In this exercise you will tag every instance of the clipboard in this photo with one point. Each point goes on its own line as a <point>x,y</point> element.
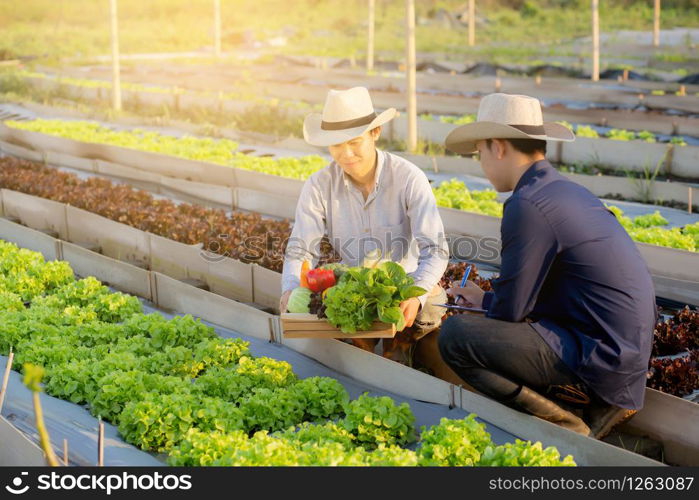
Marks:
<point>462,308</point>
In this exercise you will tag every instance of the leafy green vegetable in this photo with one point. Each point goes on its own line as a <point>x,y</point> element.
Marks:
<point>621,135</point>
<point>88,300</point>
<point>25,273</point>
<point>238,381</point>
<point>322,397</point>
<point>179,331</point>
<point>338,268</point>
<point>272,409</point>
<point>455,194</point>
<point>52,350</point>
<point>453,442</point>
<point>376,421</point>
<point>221,352</point>
<point>317,434</point>
<point>692,230</point>
<point>523,454</point>
<point>10,302</point>
<point>364,295</point>
<point>299,300</point>
<point>586,131</point>
<point>118,388</point>
<point>159,421</point>
<point>650,220</point>
<point>16,326</point>
<point>458,120</point>
<point>206,449</point>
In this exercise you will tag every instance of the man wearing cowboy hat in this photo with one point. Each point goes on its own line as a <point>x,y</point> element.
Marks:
<point>368,201</point>
<point>571,316</point>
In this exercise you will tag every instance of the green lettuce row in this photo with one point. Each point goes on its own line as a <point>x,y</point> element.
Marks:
<point>643,228</point>
<point>219,151</point>
<point>143,372</point>
<point>455,194</point>
<point>647,229</point>
<point>240,94</point>
<point>450,443</point>
<point>25,274</point>
<point>237,449</point>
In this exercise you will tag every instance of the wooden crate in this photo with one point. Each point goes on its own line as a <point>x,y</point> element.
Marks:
<point>300,325</point>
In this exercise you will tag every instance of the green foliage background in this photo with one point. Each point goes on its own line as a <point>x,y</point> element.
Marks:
<point>50,29</point>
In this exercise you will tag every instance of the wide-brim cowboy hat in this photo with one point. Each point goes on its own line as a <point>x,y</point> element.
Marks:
<point>347,114</point>
<point>505,116</point>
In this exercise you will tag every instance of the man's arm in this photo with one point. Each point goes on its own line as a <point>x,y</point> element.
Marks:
<point>529,247</point>
<point>428,230</point>
<point>304,242</point>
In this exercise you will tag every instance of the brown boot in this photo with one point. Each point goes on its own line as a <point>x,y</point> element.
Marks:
<point>532,402</point>
<point>603,418</point>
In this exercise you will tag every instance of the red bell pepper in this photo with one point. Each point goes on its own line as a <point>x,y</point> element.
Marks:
<point>320,279</point>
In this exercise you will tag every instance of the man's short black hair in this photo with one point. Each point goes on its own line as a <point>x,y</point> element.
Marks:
<point>524,146</point>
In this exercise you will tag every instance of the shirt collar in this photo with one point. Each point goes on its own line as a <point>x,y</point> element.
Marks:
<point>380,159</point>
<point>531,173</point>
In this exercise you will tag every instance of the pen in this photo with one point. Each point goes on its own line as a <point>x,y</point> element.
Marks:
<point>467,272</point>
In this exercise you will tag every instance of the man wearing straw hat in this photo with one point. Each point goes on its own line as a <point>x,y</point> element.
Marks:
<point>368,201</point>
<point>568,327</point>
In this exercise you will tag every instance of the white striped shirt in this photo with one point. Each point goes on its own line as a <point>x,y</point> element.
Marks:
<point>399,214</point>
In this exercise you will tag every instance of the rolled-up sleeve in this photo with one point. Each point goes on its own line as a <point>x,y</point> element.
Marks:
<point>428,230</point>
<point>306,235</point>
<point>529,247</point>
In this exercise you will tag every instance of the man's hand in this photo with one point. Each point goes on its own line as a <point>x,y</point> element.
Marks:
<point>470,296</point>
<point>410,308</point>
<point>284,301</point>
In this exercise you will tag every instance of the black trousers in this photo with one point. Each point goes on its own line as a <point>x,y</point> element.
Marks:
<point>498,357</point>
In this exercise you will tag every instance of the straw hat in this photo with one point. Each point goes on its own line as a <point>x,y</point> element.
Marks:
<point>347,114</point>
<point>505,116</point>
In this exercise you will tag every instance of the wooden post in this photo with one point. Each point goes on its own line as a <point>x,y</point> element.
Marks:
<point>471,23</point>
<point>6,376</point>
<point>100,444</point>
<point>595,40</point>
<point>116,82</point>
<point>217,28</point>
<point>435,166</point>
<point>410,75</point>
<point>689,207</point>
<point>656,23</point>
<point>65,452</point>
<point>370,41</point>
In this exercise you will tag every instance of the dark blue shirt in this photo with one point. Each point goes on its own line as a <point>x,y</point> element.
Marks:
<point>570,268</point>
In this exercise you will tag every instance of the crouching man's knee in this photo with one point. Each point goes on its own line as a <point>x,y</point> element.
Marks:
<point>450,336</point>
